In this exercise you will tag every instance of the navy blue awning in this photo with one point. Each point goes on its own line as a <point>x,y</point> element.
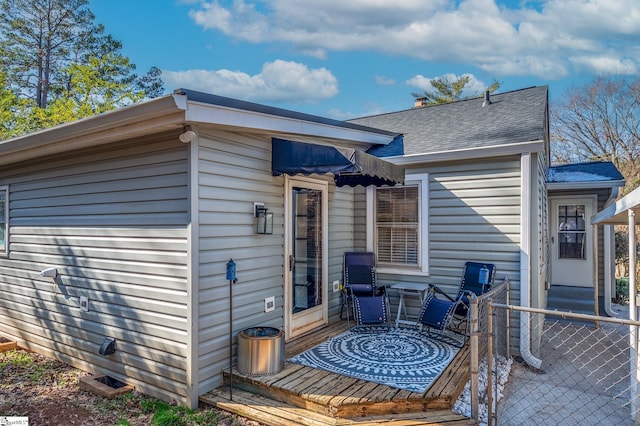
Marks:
<point>348,166</point>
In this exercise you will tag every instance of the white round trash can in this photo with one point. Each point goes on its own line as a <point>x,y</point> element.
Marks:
<point>260,350</point>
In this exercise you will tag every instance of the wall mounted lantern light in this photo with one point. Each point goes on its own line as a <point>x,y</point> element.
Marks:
<point>264,223</point>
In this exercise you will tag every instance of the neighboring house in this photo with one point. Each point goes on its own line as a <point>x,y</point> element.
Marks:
<point>141,209</point>
<point>582,256</point>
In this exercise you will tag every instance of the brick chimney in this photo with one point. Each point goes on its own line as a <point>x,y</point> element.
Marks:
<point>419,102</point>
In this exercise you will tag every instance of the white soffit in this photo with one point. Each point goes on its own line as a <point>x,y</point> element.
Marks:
<point>219,115</point>
<point>618,213</point>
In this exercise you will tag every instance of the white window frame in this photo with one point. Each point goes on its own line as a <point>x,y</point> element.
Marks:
<point>4,250</point>
<point>422,180</point>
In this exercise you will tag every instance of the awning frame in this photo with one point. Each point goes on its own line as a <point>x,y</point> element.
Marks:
<point>349,166</point>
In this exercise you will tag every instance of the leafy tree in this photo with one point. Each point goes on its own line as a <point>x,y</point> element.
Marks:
<point>600,121</point>
<point>99,86</point>
<point>13,112</point>
<point>59,66</point>
<point>38,37</point>
<point>446,90</point>
<point>151,83</point>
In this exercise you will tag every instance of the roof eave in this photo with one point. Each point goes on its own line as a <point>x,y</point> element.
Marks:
<point>148,117</point>
<point>618,213</point>
<point>247,119</point>
<point>585,185</point>
<point>171,112</point>
<point>471,153</point>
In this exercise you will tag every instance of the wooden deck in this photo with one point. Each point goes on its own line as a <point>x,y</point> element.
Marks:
<point>309,396</point>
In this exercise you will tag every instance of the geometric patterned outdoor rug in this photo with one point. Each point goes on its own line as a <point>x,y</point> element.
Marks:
<point>404,358</point>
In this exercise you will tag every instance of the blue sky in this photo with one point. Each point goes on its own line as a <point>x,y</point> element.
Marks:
<point>352,58</point>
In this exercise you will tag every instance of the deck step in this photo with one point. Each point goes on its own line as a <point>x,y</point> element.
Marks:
<point>303,395</point>
<point>334,395</point>
<point>270,412</point>
<point>571,299</point>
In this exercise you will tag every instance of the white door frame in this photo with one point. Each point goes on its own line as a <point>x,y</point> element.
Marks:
<point>309,319</point>
<point>581,272</point>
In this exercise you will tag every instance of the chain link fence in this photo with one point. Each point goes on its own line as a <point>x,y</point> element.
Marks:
<point>587,375</point>
<point>482,386</point>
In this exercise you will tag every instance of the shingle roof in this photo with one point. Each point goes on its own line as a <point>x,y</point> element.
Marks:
<point>512,117</point>
<point>595,171</point>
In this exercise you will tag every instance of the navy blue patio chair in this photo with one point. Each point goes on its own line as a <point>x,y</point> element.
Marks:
<point>371,310</point>
<point>452,313</point>
<point>359,280</point>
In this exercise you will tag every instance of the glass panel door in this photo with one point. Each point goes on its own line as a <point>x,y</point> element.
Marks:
<point>306,283</point>
<point>307,249</point>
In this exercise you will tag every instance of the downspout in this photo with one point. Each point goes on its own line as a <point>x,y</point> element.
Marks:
<point>609,260</point>
<point>192,366</point>
<point>525,257</point>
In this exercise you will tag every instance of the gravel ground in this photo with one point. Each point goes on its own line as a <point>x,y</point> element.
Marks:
<point>47,392</point>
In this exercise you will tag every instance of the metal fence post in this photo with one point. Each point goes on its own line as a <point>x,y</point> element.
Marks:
<point>508,320</point>
<point>473,348</point>
<point>490,349</point>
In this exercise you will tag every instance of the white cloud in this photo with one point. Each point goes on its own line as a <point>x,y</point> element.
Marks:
<point>278,81</point>
<point>548,38</point>
<point>384,81</point>
<point>606,65</point>
<point>241,20</point>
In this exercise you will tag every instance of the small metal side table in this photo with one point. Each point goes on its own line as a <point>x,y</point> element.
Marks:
<point>408,289</point>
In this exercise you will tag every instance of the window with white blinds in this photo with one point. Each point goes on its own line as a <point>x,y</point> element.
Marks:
<point>397,223</point>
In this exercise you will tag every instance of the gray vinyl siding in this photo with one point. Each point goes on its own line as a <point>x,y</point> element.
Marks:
<point>113,223</point>
<point>234,171</point>
<point>474,215</point>
<point>540,250</point>
<point>341,239</point>
<point>360,218</point>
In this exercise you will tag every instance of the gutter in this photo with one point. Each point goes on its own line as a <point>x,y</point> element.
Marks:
<point>154,116</point>
<point>520,148</point>
<point>525,266</point>
<point>236,112</point>
<point>286,126</point>
<point>551,186</point>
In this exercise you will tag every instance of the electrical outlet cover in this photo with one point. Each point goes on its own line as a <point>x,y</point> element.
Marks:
<point>269,304</point>
<point>336,285</point>
<point>84,303</point>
